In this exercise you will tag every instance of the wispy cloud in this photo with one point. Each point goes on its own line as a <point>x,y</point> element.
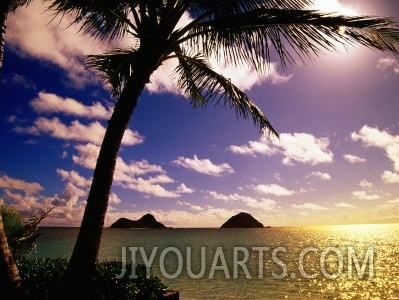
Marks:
<point>309,206</point>
<point>353,159</point>
<point>191,206</point>
<point>263,203</point>
<point>343,205</point>
<point>18,184</point>
<point>388,64</point>
<point>204,166</point>
<point>365,184</point>
<point>76,131</point>
<point>322,175</point>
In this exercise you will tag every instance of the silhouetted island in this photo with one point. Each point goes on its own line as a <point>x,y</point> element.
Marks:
<point>146,221</point>
<point>242,220</point>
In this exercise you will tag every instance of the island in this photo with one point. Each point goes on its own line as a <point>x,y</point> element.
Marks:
<point>146,221</point>
<point>242,220</point>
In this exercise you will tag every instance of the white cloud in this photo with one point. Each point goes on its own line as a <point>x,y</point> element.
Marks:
<point>393,154</point>
<point>52,103</point>
<point>323,176</point>
<point>76,131</point>
<point>151,186</point>
<point>183,189</point>
<point>204,166</point>
<point>310,206</point>
<point>373,137</point>
<point>388,64</point>
<point>254,147</point>
<point>131,175</point>
<point>25,203</point>
<point>363,195</point>
<point>19,184</point>
<point>74,178</point>
<point>390,177</point>
<point>297,147</point>
<point>87,155</point>
<point>273,189</point>
<point>32,33</point>
<point>114,199</point>
<point>353,159</point>
<point>305,148</point>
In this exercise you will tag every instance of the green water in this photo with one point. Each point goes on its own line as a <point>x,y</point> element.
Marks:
<point>329,262</point>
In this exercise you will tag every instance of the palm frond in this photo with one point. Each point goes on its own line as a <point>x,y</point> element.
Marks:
<point>252,37</point>
<point>17,3</point>
<point>215,9</point>
<point>104,19</point>
<point>203,85</point>
<point>14,224</point>
<point>21,234</point>
<point>116,67</point>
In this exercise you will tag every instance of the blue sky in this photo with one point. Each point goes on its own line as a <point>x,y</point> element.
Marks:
<point>336,162</point>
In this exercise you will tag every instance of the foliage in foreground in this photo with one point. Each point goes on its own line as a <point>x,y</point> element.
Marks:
<point>42,278</point>
<point>21,234</point>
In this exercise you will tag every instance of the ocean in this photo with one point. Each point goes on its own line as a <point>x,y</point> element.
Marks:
<point>319,262</point>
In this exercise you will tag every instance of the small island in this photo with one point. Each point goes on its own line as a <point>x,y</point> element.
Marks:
<point>242,220</point>
<point>146,221</point>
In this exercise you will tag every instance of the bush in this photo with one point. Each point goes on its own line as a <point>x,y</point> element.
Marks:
<point>42,277</point>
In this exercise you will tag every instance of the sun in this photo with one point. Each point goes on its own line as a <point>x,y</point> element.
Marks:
<point>333,6</point>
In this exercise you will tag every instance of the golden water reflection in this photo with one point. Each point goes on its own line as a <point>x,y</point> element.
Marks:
<point>382,239</point>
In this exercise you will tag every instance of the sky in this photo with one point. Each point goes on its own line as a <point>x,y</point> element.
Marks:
<point>336,161</point>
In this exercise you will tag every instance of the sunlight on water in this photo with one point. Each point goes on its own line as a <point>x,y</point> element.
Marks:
<point>345,262</point>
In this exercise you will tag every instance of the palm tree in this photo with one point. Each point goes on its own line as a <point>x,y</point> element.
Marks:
<point>241,31</point>
<point>17,238</point>
<point>7,7</point>
<point>10,280</point>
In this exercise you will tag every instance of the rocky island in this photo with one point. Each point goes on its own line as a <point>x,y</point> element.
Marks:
<point>242,220</point>
<point>146,221</point>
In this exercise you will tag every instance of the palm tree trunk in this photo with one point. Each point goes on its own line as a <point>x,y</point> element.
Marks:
<point>81,266</point>
<point>10,280</point>
<point>3,18</point>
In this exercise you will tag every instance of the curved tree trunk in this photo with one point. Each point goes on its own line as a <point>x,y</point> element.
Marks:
<point>3,18</point>
<point>10,280</point>
<point>78,276</point>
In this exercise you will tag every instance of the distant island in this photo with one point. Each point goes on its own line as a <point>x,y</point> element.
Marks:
<point>242,220</point>
<point>146,221</point>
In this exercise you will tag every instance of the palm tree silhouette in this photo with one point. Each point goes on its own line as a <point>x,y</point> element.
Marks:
<point>248,32</point>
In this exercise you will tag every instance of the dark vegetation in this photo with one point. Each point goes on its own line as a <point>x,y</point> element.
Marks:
<point>42,279</point>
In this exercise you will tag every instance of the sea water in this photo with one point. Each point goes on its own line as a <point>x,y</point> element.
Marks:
<point>323,262</point>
